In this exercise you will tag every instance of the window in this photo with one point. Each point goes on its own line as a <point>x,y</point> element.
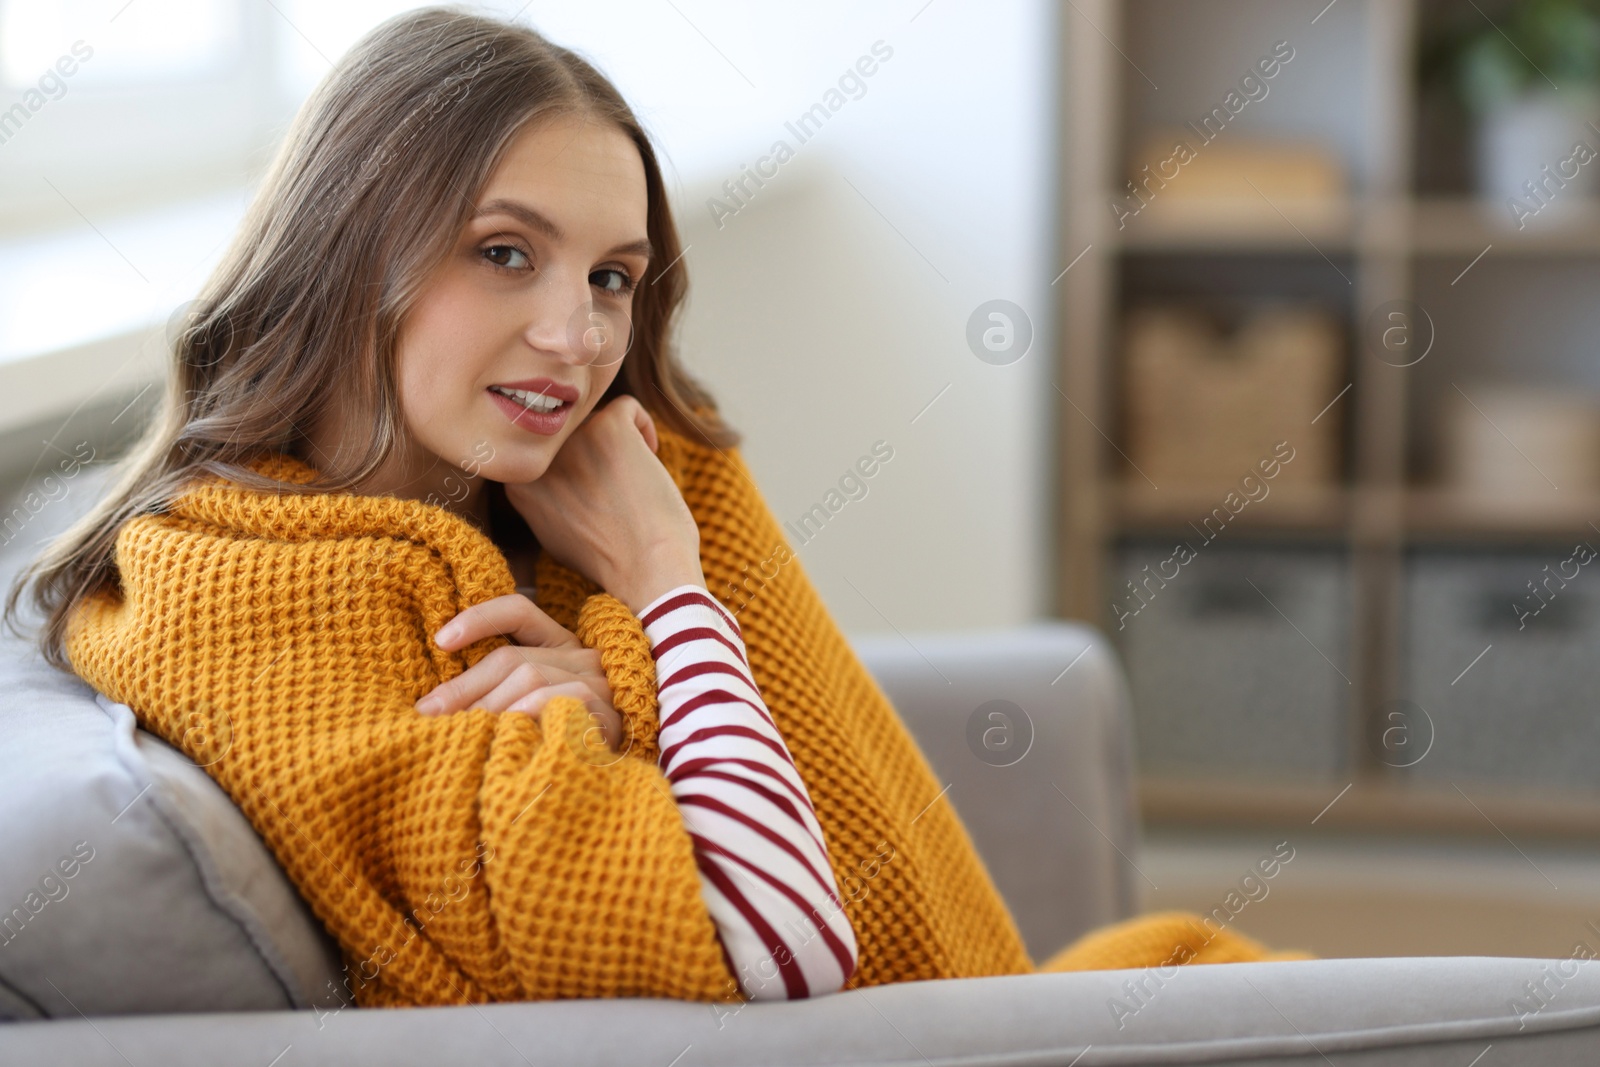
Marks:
<point>159,41</point>
<point>107,106</point>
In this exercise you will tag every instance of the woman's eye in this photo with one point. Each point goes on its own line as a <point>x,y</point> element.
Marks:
<point>506,256</point>
<point>612,280</point>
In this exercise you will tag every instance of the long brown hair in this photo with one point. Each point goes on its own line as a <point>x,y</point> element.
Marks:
<point>365,198</point>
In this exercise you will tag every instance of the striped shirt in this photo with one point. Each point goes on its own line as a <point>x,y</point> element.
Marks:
<point>764,870</point>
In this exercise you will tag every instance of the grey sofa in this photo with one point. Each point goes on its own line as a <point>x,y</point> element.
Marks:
<point>179,942</point>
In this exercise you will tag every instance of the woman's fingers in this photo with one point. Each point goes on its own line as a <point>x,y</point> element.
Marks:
<point>523,680</point>
<point>512,615</point>
<point>512,671</point>
<point>647,427</point>
<point>470,686</point>
<point>535,701</point>
<point>609,720</point>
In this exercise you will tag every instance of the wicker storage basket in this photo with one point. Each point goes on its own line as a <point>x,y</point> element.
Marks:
<point>1204,407</point>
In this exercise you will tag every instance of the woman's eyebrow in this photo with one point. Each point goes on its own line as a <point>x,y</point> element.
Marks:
<point>535,221</point>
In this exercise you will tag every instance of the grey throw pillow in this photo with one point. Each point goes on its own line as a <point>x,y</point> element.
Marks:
<point>129,881</point>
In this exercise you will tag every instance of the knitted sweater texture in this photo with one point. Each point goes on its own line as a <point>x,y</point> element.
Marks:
<point>280,641</point>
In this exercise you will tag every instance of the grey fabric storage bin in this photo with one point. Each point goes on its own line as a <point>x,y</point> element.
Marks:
<point>1523,715</point>
<point>1230,678</point>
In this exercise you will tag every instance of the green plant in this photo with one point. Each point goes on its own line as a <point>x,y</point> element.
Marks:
<point>1540,43</point>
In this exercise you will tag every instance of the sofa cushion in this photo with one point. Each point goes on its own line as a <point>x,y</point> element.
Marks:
<point>130,882</point>
<point>1437,1012</point>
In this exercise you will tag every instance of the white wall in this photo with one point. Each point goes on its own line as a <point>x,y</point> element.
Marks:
<point>821,333</point>
<point>828,312</point>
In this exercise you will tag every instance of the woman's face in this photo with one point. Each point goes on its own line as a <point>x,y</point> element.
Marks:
<point>531,307</point>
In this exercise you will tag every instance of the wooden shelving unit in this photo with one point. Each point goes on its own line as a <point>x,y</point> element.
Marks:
<point>1140,509</point>
<point>1381,237</point>
<point>1437,227</point>
<point>1370,806</point>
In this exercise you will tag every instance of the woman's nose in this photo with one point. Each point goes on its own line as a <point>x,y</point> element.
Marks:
<point>601,334</point>
<point>557,301</point>
<point>567,322</point>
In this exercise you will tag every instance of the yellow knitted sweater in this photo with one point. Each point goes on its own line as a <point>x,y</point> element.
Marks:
<point>280,640</point>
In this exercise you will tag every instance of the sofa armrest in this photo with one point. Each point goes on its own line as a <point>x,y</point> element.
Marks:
<point>1030,728</point>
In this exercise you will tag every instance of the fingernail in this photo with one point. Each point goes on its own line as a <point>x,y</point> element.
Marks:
<point>428,705</point>
<point>447,632</point>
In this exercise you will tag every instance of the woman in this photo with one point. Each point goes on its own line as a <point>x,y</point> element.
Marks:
<point>417,563</point>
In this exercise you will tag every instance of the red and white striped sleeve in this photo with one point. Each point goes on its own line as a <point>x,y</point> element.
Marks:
<point>764,870</point>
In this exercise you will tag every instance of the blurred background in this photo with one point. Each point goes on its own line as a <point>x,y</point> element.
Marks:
<point>1259,333</point>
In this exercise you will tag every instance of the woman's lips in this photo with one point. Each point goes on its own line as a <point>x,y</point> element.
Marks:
<point>546,423</point>
<point>543,386</point>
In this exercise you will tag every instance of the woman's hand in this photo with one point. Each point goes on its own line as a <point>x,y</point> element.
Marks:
<point>608,509</point>
<point>544,661</point>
